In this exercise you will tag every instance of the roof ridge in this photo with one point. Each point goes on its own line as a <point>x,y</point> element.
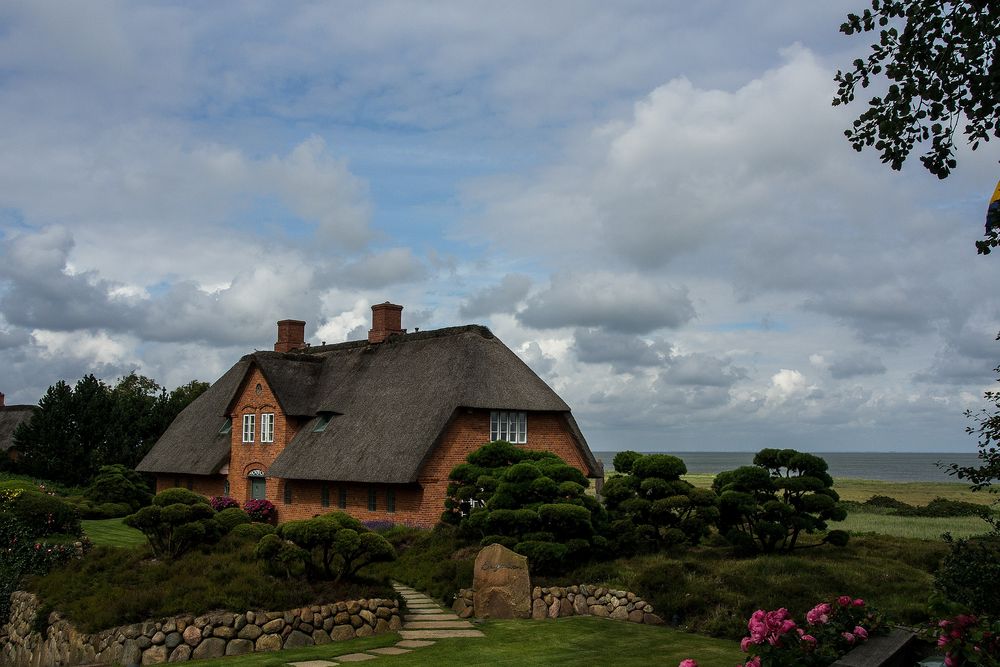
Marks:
<point>396,339</point>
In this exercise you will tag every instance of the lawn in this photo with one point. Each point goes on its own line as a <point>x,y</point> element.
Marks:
<point>566,641</point>
<point>917,527</point>
<point>112,533</point>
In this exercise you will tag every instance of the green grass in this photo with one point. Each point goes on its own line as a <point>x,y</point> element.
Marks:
<point>923,528</point>
<point>913,493</point>
<point>112,533</point>
<point>574,641</point>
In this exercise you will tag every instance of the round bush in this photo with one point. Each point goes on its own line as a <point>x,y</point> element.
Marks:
<point>252,532</point>
<point>231,517</point>
<point>664,466</point>
<point>178,496</point>
<point>43,514</point>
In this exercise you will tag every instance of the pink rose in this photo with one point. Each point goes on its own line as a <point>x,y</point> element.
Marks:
<point>819,614</point>
<point>689,662</point>
<point>753,662</point>
<point>848,636</point>
<point>948,661</point>
<point>859,602</point>
<point>844,600</point>
<point>860,632</point>
<point>746,643</point>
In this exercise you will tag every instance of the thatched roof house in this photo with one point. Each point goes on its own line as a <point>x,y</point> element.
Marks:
<point>370,426</point>
<point>12,416</point>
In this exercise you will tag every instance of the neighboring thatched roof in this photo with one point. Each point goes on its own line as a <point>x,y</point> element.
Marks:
<point>12,416</point>
<point>193,442</point>
<point>392,402</point>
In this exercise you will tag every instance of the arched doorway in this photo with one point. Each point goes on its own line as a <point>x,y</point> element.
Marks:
<point>257,484</point>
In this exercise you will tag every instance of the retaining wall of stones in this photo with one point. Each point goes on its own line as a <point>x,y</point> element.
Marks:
<point>188,637</point>
<point>582,600</point>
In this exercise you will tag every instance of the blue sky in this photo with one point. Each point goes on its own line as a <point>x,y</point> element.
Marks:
<point>651,202</point>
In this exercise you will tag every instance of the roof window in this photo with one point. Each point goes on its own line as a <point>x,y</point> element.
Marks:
<point>322,421</point>
<point>227,427</point>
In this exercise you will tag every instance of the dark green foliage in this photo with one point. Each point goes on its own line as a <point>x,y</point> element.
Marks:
<point>653,508</point>
<point>543,557</point>
<point>987,429</point>
<point>118,484</point>
<point>251,532</point>
<point>767,506</point>
<point>970,574</point>
<point>76,430</point>
<point>333,546</point>
<point>938,57</point>
<point>623,461</point>
<point>511,496</point>
<point>437,562</point>
<point>114,586</point>
<point>176,522</point>
<point>231,517</point>
<point>41,514</point>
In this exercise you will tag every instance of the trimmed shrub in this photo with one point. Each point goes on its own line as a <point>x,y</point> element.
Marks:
<point>231,517</point>
<point>251,532</point>
<point>41,514</point>
<point>177,521</point>
<point>118,484</point>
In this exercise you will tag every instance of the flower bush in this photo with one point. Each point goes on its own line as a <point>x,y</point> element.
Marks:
<point>261,511</point>
<point>220,503</point>
<point>969,640</point>
<point>832,629</point>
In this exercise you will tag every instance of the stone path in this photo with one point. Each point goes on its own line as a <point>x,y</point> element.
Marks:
<point>424,622</point>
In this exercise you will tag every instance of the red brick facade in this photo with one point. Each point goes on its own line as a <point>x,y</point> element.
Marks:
<point>418,504</point>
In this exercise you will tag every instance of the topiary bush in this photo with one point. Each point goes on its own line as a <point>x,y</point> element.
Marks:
<point>39,513</point>
<point>230,518</point>
<point>117,484</point>
<point>767,506</point>
<point>177,521</point>
<point>513,496</point>
<point>651,507</point>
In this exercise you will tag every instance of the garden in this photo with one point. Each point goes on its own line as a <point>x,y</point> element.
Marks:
<point>752,562</point>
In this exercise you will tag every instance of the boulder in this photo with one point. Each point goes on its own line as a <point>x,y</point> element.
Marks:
<point>156,655</point>
<point>268,643</point>
<point>341,633</point>
<point>192,635</point>
<point>565,607</point>
<point>173,640</point>
<point>296,639</point>
<point>538,609</point>
<point>501,583</point>
<point>180,654</point>
<point>273,626</point>
<point>620,614</point>
<point>651,619</point>
<point>249,631</point>
<point>212,647</point>
<point>320,637</point>
<point>239,647</point>
<point>580,605</point>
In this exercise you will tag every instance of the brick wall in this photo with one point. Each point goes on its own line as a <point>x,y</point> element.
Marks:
<point>255,397</point>
<point>206,485</point>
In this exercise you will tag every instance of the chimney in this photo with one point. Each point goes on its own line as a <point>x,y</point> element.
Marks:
<point>1,399</point>
<point>291,336</point>
<point>387,320</point>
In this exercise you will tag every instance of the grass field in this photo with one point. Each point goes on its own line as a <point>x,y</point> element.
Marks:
<point>923,528</point>
<point>913,493</point>
<point>112,533</point>
<point>567,641</point>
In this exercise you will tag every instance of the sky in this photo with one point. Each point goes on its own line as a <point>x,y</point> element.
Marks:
<point>652,203</point>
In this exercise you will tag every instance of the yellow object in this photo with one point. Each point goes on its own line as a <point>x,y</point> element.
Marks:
<point>996,195</point>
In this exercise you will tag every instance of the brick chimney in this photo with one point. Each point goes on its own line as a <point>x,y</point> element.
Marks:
<point>387,320</point>
<point>291,336</point>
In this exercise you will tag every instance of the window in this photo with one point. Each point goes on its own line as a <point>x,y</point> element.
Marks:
<point>321,422</point>
<point>267,427</point>
<point>248,425</point>
<point>324,495</point>
<point>509,426</point>
<point>288,493</point>
<point>225,488</point>
<point>227,427</point>
<point>390,500</point>
<point>342,498</point>
<point>372,499</point>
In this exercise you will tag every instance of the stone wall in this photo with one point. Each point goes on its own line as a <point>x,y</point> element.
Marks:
<point>583,600</point>
<point>186,637</point>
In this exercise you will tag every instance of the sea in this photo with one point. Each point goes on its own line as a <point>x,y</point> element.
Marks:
<point>885,466</point>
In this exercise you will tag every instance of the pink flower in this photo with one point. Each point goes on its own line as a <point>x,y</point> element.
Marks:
<point>859,602</point>
<point>752,662</point>
<point>860,632</point>
<point>809,639</point>
<point>848,636</point>
<point>819,614</point>
<point>948,660</point>
<point>844,600</point>
<point>746,643</point>
<point>688,663</point>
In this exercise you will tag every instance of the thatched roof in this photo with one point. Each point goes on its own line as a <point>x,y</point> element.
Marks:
<point>12,416</point>
<point>193,442</point>
<point>391,402</point>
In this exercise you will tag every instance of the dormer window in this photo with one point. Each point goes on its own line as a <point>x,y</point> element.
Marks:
<point>227,427</point>
<point>322,421</point>
<point>248,428</point>
<point>509,426</point>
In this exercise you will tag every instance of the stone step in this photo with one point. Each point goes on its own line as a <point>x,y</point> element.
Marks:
<point>414,643</point>
<point>438,634</point>
<point>430,617</point>
<point>389,650</point>
<point>436,625</point>
<point>428,612</point>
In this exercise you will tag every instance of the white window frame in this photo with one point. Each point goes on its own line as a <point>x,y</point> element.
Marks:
<point>267,427</point>
<point>511,426</point>
<point>248,427</point>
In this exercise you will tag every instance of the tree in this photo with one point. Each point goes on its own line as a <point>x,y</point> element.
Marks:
<point>767,506</point>
<point>651,507</point>
<point>333,546</point>
<point>118,484</point>
<point>77,430</point>
<point>176,522</point>
<point>939,60</point>
<point>532,502</point>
